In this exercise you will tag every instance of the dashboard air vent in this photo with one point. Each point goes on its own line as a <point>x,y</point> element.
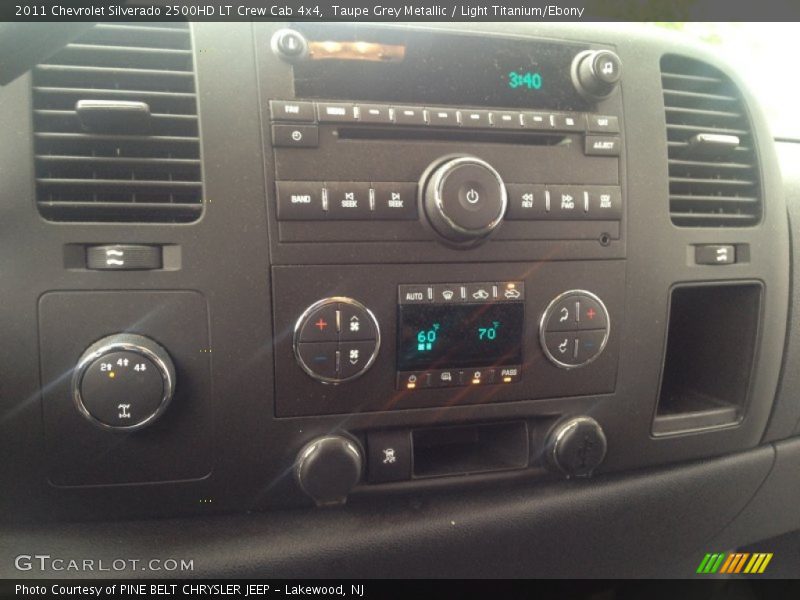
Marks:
<point>713,166</point>
<point>116,129</point>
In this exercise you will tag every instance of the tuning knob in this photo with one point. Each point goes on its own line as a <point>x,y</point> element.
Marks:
<point>577,447</point>
<point>464,198</point>
<point>123,382</point>
<point>595,73</point>
<point>328,468</point>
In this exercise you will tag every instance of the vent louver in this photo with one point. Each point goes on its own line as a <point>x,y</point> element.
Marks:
<point>147,175</point>
<point>713,166</point>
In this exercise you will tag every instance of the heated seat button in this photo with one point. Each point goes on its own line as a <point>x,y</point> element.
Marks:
<point>388,456</point>
<point>562,347</point>
<point>320,325</point>
<point>395,201</point>
<point>318,359</point>
<point>348,200</point>
<point>300,201</point>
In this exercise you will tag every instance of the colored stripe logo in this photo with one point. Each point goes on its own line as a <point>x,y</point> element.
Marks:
<point>734,563</point>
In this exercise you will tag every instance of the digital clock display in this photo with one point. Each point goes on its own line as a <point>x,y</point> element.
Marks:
<point>442,336</point>
<point>525,80</point>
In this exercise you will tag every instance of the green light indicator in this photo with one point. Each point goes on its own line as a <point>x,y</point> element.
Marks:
<point>488,333</point>
<point>426,338</point>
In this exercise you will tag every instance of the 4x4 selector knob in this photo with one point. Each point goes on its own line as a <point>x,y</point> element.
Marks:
<point>464,198</point>
<point>123,382</point>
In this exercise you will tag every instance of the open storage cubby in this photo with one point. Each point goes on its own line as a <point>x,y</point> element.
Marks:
<point>708,363</point>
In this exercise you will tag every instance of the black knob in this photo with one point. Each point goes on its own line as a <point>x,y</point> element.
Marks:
<point>328,468</point>
<point>577,447</point>
<point>595,73</point>
<point>289,44</point>
<point>464,198</point>
<point>123,382</point>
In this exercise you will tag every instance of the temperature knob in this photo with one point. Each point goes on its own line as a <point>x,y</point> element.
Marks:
<point>123,382</point>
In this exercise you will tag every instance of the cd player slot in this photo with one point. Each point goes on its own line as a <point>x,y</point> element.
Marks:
<point>449,135</point>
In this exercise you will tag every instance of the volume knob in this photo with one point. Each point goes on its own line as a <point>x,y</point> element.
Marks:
<point>464,197</point>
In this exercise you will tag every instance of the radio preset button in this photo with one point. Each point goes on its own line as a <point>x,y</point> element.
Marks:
<point>603,124</point>
<point>507,119</point>
<point>336,112</point>
<point>395,201</point>
<point>538,120</point>
<point>283,110</point>
<point>602,145</point>
<point>300,200</point>
<point>442,117</point>
<point>348,201</point>
<point>375,113</point>
<point>409,115</point>
<point>475,118</point>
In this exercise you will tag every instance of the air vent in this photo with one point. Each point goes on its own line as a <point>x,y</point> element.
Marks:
<point>130,151</point>
<point>713,169</point>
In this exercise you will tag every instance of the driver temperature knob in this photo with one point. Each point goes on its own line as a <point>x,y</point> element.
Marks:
<point>123,382</point>
<point>464,198</point>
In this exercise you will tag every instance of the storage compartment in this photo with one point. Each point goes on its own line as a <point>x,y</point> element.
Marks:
<point>464,449</point>
<point>709,356</point>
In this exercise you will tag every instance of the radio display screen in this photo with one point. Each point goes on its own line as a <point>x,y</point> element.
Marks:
<point>440,68</point>
<point>432,336</point>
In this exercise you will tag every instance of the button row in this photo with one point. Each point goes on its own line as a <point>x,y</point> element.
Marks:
<point>563,202</point>
<point>416,380</point>
<point>462,293</point>
<point>338,112</point>
<point>319,201</point>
